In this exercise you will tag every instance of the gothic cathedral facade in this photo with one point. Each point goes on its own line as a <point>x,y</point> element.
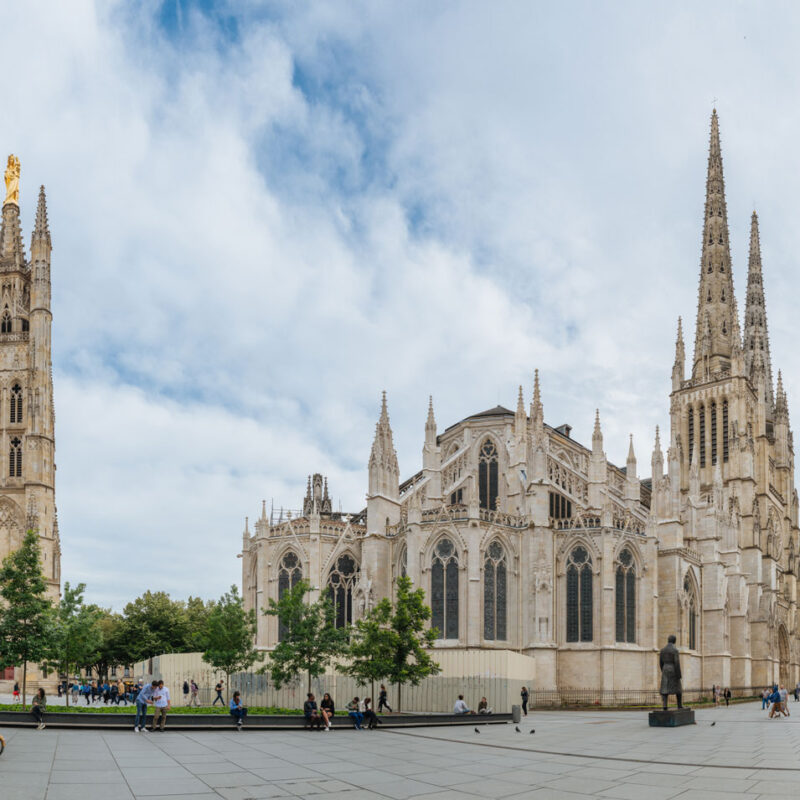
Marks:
<point>27,472</point>
<point>525,539</point>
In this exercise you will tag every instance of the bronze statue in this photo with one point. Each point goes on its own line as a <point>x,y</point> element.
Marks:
<point>670,662</point>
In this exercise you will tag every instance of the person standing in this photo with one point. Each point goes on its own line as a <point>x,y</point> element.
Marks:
<point>727,695</point>
<point>784,701</point>
<point>186,690</point>
<point>162,704</point>
<point>16,693</point>
<point>195,692</point>
<point>38,707</point>
<point>87,690</point>
<point>382,701</point>
<point>238,711</point>
<point>121,695</point>
<point>144,698</point>
<point>218,689</point>
<point>797,692</point>
<point>524,696</point>
<point>765,699</point>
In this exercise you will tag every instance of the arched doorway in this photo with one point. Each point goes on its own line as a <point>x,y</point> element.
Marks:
<point>783,656</point>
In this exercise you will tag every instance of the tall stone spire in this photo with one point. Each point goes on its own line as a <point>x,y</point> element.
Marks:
<point>384,472</point>
<point>756,336</point>
<point>520,418</point>
<point>597,434</point>
<point>657,460</point>
<point>537,410</point>
<point>713,342</point>
<point>632,491</point>
<point>430,424</point>
<point>678,368</point>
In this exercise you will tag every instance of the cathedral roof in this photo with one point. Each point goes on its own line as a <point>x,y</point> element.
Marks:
<point>497,411</point>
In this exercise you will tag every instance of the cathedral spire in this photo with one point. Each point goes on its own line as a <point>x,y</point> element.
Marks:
<point>632,488</point>
<point>657,460</point>
<point>756,336</point>
<point>430,423</point>
<point>679,366</point>
<point>41,228</point>
<point>597,434</point>
<point>715,302</point>
<point>384,472</point>
<point>520,418</point>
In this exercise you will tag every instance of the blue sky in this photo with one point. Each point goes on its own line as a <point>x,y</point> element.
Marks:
<point>263,214</point>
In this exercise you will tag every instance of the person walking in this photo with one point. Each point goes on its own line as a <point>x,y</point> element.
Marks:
<point>218,689</point>
<point>121,694</point>
<point>784,701</point>
<point>76,690</point>
<point>144,698</point>
<point>727,695</point>
<point>765,699</point>
<point>186,690</point>
<point>162,704</point>
<point>238,711</point>
<point>87,690</point>
<point>38,707</point>
<point>15,693</point>
<point>524,696</point>
<point>195,692</point>
<point>775,699</point>
<point>382,700</point>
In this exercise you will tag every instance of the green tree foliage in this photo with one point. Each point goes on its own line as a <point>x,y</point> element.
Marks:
<point>75,636</point>
<point>198,612</point>
<point>26,615</point>
<point>229,635</point>
<point>310,640</point>
<point>372,646</point>
<point>113,649</point>
<point>409,660</point>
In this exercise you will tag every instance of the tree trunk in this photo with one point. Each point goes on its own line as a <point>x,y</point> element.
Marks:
<point>67,691</point>
<point>372,690</point>
<point>399,688</point>
<point>24,682</point>
<point>227,686</point>
<point>309,681</point>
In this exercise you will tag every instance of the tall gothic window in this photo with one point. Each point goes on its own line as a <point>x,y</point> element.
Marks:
<point>560,507</point>
<point>16,403</point>
<point>691,433</point>
<point>701,432</point>
<point>290,573</point>
<point>579,596</point>
<point>725,431</point>
<point>713,433</point>
<point>341,582</point>
<point>444,589</point>
<point>690,636</point>
<point>15,458</point>
<point>626,597</point>
<point>5,323</point>
<point>494,593</point>
<point>487,475</point>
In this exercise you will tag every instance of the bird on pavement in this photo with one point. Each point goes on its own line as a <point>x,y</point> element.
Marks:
<point>533,730</point>
<point>713,724</point>
<point>476,730</point>
<point>517,729</point>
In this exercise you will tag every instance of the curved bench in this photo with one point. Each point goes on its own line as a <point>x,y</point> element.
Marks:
<point>65,719</point>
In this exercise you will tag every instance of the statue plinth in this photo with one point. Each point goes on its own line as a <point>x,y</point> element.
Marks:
<point>672,718</point>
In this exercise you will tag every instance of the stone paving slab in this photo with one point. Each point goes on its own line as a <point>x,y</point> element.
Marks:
<point>594,754</point>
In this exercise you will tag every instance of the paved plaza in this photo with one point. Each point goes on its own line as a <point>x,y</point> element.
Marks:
<point>571,755</point>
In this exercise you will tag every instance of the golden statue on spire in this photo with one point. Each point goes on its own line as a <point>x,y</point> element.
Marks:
<point>12,181</point>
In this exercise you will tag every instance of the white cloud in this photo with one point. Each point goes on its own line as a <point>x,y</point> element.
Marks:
<point>254,234</point>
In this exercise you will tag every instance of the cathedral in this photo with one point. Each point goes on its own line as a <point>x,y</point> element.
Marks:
<point>527,540</point>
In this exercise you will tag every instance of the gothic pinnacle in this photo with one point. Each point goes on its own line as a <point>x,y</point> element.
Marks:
<point>41,229</point>
<point>597,434</point>
<point>631,454</point>
<point>715,327</point>
<point>756,336</point>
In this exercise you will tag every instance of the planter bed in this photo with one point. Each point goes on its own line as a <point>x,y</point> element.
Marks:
<point>225,721</point>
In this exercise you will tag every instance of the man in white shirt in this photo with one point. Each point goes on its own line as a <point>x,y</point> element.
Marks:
<point>461,707</point>
<point>162,704</point>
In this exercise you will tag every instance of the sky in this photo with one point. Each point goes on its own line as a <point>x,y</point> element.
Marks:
<point>264,214</point>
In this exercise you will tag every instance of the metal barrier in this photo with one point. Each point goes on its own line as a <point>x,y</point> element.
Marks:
<point>583,698</point>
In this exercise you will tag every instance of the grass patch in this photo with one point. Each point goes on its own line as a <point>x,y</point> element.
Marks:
<point>130,709</point>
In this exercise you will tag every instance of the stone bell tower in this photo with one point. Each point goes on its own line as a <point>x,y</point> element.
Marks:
<point>27,418</point>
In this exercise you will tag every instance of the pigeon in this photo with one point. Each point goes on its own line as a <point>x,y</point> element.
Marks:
<point>533,730</point>
<point>517,729</point>
<point>476,730</point>
<point>713,724</point>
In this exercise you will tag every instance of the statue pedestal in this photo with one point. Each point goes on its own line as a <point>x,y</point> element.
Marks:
<point>671,718</point>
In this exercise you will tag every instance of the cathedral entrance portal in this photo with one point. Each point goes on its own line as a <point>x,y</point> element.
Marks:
<point>783,656</point>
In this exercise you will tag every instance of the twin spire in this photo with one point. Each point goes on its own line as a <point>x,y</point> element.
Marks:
<point>718,344</point>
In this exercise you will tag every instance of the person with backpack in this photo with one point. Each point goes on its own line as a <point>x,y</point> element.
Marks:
<point>195,692</point>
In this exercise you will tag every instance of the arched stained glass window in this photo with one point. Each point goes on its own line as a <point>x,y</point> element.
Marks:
<point>626,597</point>
<point>494,592</point>
<point>725,431</point>
<point>701,434</point>
<point>341,582</point>
<point>579,596</point>
<point>290,572</point>
<point>16,403</point>
<point>15,458</point>
<point>487,475</point>
<point>690,634</point>
<point>690,422</point>
<point>444,589</point>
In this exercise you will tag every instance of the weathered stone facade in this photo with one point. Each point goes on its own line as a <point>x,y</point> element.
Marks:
<point>27,470</point>
<point>524,539</point>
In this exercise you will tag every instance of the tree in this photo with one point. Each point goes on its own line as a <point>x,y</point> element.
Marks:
<point>26,616</point>
<point>410,661</point>
<point>197,616</point>
<point>153,624</point>
<point>310,640</point>
<point>76,635</point>
<point>230,635</point>
<point>372,645</point>
<point>113,645</point>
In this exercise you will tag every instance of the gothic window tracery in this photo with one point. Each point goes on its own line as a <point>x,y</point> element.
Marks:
<point>713,432</point>
<point>725,431</point>
<point>444,589</point>
<point>579,596</point>
<point>626,597</point>
<point>290,572</point>
<point>341,582</point>
<point>487,475</point>
<point>560,507</point>
<point>702,434</point>
<point>15,458</point>
<point>5,322</point>
<point>690,421</point>
<point>690,629</point>
<point>402,563</point>
<point>16,403</point>
<point>494,592</point>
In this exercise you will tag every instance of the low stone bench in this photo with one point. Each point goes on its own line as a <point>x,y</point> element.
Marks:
<point>56,719</point>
